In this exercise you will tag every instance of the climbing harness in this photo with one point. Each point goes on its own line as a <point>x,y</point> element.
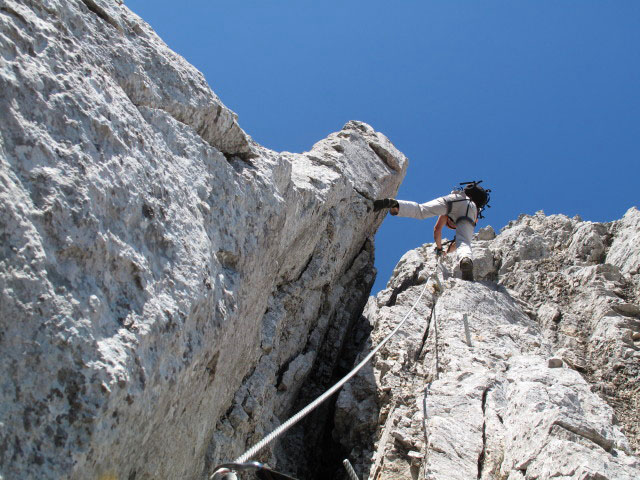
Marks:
<point>464,217</point>
<point>475,194</point>
<point>241,461</point>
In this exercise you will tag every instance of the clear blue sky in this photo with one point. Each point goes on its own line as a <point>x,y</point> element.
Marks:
<point>540,98</point>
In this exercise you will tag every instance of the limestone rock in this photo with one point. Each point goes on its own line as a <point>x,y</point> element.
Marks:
<point>486,233</point>
<point>472,381</point>
<point>165,283</point>
<point>624,248</point>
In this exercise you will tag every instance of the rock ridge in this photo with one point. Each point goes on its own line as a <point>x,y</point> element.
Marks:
<point>530,372</point>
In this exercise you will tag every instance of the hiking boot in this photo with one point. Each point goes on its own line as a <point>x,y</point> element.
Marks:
<point>466,267</point>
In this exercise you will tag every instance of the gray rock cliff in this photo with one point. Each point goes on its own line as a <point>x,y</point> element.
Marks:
<point>166,284</point>
<point>532,372</point>
<point>171,291</point>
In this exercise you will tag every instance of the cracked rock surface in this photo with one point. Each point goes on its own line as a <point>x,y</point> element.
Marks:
<point>532,372</point>
<point>166,284</point>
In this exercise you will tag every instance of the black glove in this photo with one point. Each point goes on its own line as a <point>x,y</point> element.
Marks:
<point>385,203</point>
<point>438,252</point>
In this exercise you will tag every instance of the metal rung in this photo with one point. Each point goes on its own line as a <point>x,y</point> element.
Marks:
<point>467,334</point>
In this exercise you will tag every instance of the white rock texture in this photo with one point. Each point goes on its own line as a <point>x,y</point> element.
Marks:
<point>165,283</point>
<point>532,372</point>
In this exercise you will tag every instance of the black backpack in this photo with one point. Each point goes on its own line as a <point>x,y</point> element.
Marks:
<point>479,195</point>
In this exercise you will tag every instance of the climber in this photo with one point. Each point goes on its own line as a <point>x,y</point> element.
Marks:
<point>459,210</point>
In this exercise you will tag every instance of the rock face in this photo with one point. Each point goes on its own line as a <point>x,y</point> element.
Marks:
<point>165,283</point>
<point>170,290</point>
<point>530,372</point>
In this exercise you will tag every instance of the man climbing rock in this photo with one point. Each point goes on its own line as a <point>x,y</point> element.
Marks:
<point>459,210</point>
